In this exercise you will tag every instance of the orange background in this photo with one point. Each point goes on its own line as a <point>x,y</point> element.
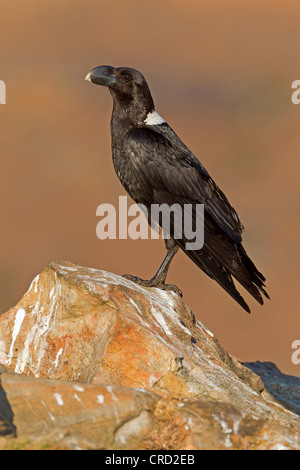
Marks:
<point>220,74</point>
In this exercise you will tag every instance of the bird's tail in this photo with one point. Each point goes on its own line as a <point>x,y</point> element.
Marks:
<point>219,274</point>
<point>245,272</point>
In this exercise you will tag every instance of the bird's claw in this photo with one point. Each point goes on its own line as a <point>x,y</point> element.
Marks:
<point>153,283</point>
<point>171,287</point>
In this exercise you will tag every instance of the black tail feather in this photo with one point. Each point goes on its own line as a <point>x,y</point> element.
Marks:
<point>218,273</point>
<point>245,272</point>
<point>255,276</point>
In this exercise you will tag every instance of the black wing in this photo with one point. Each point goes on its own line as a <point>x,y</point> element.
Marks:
<point>167,164</point>
<point>167,172</point>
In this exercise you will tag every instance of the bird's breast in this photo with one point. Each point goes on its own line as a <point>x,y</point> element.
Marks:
<point>126,174</point>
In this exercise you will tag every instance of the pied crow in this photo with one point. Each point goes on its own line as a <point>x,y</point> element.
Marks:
<point>155,167</point>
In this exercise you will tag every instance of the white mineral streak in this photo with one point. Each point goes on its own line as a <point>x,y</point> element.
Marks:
<point>115,399</point>
<point>19,317</point>
<point>37,336</point>
<point>49,412</point>
<point>24,356</point>
<point>58,398</point>
<point>41,336</point>
<point>100,399</point>
<point>77,397</point>
<point>3,356</point>
<point>34,284</point>
<point>200,324</point>
<point>111,391</point>
<point>160,320</point>
<point>57,357</point>
<point>226,429</point>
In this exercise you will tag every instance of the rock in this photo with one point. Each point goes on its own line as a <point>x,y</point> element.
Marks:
<point>72,415</point>
<point>175,385</point>
<point>278,387</point>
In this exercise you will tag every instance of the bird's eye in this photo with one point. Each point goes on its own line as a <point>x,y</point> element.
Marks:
<point>127,77</point>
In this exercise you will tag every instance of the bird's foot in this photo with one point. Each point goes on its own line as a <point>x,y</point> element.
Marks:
<point>153,283</point>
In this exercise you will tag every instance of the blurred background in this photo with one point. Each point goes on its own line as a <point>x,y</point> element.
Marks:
<point>220,74</point>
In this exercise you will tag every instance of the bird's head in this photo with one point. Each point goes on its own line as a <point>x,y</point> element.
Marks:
<point>128,87</point>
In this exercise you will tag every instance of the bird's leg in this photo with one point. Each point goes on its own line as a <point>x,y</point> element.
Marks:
<point>159,279</point>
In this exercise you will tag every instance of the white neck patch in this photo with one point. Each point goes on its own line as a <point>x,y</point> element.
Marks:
<point>153,119</point>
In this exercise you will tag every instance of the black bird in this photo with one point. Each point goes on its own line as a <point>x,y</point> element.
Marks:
<point>155,167</point>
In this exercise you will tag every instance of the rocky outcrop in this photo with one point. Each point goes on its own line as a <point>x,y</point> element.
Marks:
<point>71,415</point>
<point>86,350</point>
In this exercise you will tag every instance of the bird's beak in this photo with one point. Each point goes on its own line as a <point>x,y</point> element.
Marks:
<point>103,75</point>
